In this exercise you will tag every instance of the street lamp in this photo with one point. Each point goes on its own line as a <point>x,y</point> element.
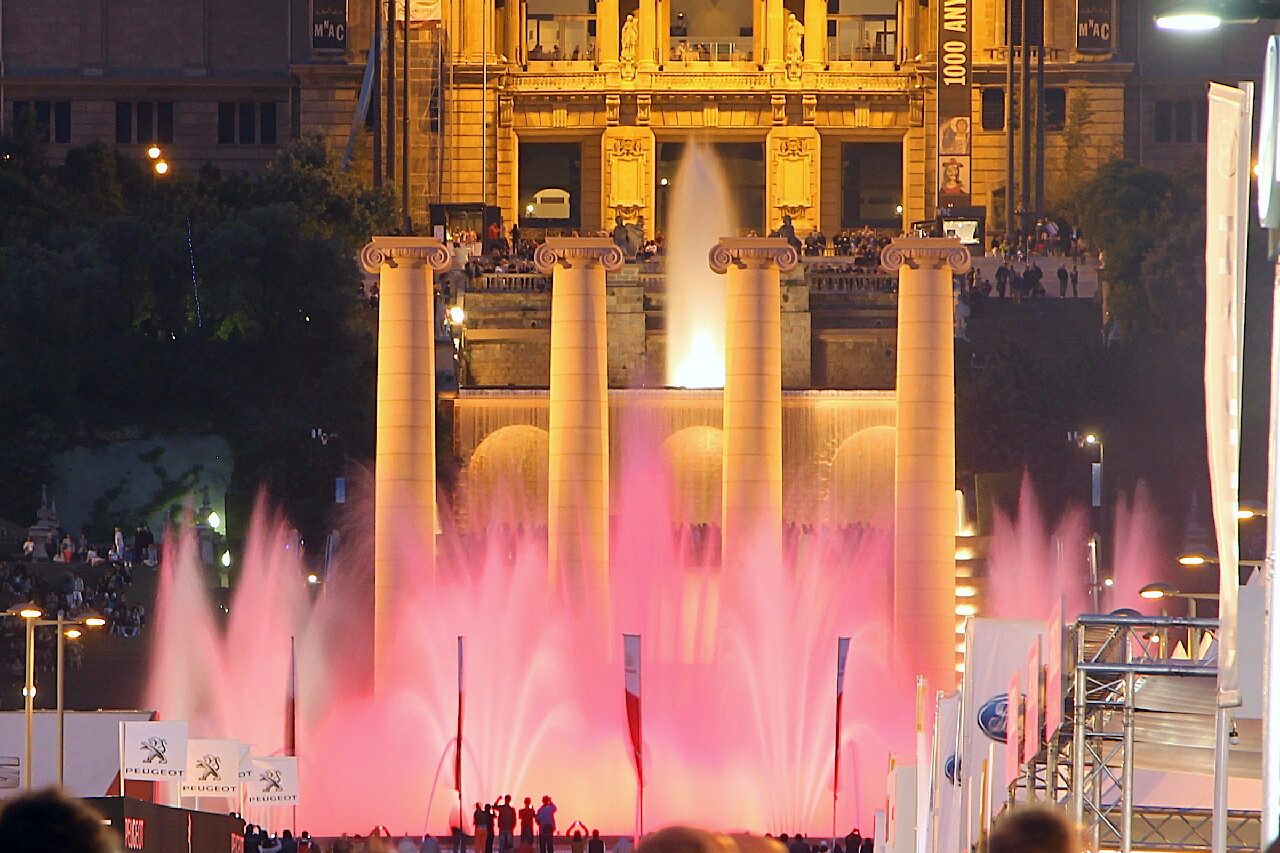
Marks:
<point>29,613</point>
<point>1158,590</point>
<point>66,628</point>
<point>1202,15</point>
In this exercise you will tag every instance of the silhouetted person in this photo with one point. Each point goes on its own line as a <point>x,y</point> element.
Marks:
<point>1033,829</point>
<point>51,822</point>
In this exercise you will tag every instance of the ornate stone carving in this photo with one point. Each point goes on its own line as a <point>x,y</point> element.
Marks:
<point>935,252</point>
<point>752,252</point>
<point>628,172</point>
<point>809,102</point>
<point>643,104</point>
<point>794,171</point>
<point>569,252</point>
<point>413,251</point>
<point>778,102</point>
<point>612,108</point>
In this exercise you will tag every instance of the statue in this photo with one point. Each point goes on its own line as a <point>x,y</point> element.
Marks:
<point>795,40</point>
<point>630,39</point>
<point>624,237</point>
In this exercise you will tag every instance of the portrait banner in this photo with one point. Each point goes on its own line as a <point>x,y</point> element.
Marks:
<point>955,107</point>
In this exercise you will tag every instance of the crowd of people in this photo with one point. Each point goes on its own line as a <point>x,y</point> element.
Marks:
<point>66,594</point>
<point>50,821</point>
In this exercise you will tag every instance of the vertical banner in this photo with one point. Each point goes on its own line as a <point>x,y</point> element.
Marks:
<point>994,650</point>
<point>329,25</point>
<point>291,702</point>
<point>1094,26</point>
<point>1054,649</point>
<point>944,817</point>
<point>924,766</point>
<point>1033,721</point>
<point>155,751</point>
<point>842,654</point>
<point>631,679</point>
<point>1013,736</point>
<point>1227,174</point>
<point>274,781</point>
<point>213,768</point>
<point>955,102</point>
<point>457,741</point>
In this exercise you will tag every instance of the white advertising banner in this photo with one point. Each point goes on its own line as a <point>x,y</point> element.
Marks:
<point>945,836</point>
<point>1227,173</point>
<point>1033,719</point>
<point>994,650</point>
<point>1013,733</point>
<point>1055,646</point>
<point>213,768</point>
<point>274,781</point>
<point>154,750</point>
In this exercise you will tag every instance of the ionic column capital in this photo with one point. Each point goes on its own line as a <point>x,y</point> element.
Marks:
<point>755,252</point>
<point>928,252</point>
<point>405,251</point>
<point>569,252</point>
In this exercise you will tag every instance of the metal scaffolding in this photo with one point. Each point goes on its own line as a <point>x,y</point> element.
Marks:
<point>1087,762</point>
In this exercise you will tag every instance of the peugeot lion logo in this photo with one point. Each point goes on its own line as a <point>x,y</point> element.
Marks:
<point>993,717</point>
<point>209,766</point>
<point>272,778</point>
<point>155,748</point>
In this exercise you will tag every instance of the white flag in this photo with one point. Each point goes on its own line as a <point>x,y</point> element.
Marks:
<point>155,751</point>
<point>1226,202</point>
<point>213,766</point>
<point>994,650</point>
<point>274,781</point>
<point>945,837</point>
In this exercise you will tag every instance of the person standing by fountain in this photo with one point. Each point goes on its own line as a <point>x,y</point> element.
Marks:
<point>506,825</point>
<point>482,820</point>
<point>527,817</point>
<point>547,826</point>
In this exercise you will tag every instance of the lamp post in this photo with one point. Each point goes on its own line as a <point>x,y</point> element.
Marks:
<point>1156,591</point>
<point>66,628</point>
<point>29,613</point>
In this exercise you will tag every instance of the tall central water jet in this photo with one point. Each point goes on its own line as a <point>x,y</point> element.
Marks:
<point>699,215</point>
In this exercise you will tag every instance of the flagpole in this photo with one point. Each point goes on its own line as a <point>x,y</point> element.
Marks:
<point>457,747</point>
<point>291,718</point>
<point>842,651</point>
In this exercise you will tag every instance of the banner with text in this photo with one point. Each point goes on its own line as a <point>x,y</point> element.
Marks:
<point>213,766</point>
<point>1094,26</point>
<point>154,750</point>
<point>1227,174</point>
<point>274,781</point>
<point>955,107</point>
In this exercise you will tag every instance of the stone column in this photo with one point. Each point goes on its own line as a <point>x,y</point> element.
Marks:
<point>775,28</point>
<point>924,588</point>
<point>405,469</point>
<point>515,47</point>
<point>751,510</point>
<point>578,459</point>
<point>607,32</point>
<point>815,32</point>
<point>647,49</point>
